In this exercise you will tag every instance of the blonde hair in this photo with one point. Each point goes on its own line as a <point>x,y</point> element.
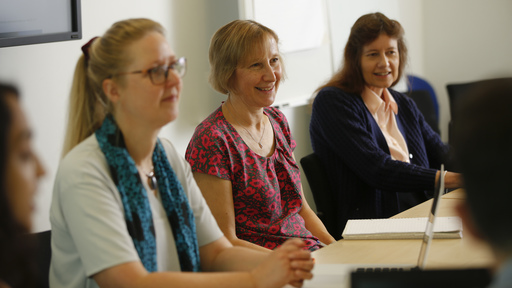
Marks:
<point>230,45</point>
<point>88,104</point>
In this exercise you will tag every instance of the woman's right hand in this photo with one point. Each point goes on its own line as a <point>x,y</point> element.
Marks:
<point>288,264</point>
<point>452,180</point>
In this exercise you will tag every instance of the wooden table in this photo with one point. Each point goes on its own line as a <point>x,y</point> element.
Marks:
<point>444,253</point>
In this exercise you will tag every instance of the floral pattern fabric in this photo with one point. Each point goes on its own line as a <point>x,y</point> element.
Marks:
<point>266,190</point>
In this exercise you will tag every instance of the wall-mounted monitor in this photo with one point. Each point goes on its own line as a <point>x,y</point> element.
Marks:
<point>25,22</point>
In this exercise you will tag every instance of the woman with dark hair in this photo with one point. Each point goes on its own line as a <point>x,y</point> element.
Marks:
<point>20,171</point>
<point>379,153</point>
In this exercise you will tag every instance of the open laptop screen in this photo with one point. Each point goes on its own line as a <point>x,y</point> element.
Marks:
<point>429,230</point>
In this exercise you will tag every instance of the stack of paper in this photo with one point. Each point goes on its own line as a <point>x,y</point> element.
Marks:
<point>402,228</point>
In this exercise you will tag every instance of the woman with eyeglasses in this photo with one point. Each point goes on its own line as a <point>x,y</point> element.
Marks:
<point>126,211</point>
<point>20,172</point>
<point>242,153</point>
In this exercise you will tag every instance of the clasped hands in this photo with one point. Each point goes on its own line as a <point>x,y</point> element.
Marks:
<point>288,264</point>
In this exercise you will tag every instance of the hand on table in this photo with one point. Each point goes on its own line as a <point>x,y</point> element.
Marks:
<point>288,264</point>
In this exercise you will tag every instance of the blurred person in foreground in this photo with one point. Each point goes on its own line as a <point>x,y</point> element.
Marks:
<point>20,171</point>
<point>483,147</point>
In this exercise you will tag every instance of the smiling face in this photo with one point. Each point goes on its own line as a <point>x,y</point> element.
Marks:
<point>23,167</point>
<point>257,78</point>
<point>135,97</point>
<point>380,62</point>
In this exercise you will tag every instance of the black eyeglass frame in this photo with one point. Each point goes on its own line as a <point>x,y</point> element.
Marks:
<point>182,62</point>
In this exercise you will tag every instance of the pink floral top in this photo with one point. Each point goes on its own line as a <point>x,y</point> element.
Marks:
<point>266,190</point>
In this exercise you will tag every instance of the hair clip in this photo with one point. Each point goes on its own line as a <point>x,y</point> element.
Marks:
<point>85,49</point>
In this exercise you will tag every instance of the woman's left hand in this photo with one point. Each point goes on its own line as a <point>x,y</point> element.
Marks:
<point>301,263</point>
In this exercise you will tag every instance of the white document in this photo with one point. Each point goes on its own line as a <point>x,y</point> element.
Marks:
<point>402,228</point>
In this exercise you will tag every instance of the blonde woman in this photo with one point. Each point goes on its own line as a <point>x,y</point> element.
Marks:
<point>126,211</point>
<point>242,154</point>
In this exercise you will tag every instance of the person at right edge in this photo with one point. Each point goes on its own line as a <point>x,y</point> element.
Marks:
<point>483,152</point>
<point>380,155</point>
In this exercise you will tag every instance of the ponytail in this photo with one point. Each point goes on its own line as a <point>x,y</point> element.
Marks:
<point>87,108</point>
<point>106,57</point>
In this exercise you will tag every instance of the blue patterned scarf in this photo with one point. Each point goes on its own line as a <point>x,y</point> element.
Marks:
<point>136,204</point>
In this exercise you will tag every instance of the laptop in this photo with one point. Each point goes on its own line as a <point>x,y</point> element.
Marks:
<point>417,277</point>
<point>339,275</point>
<point>444,278</point>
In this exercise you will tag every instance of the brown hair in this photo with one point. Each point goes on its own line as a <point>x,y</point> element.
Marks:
<point>230,45</point>
<point>17,265</point>
<point>106,57</point>
<point>366,30</point>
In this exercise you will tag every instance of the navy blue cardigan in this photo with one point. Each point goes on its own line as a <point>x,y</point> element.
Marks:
<point>366,182</point>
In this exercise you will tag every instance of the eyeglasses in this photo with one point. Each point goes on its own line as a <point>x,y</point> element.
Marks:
<point>159,74</point>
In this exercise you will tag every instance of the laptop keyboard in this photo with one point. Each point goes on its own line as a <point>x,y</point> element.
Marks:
<point>474,278</point>
<point>377,269</point>
<point>381,269</point>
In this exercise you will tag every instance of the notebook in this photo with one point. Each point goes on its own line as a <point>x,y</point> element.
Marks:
<point>339,275</point>
<point>401,228</point>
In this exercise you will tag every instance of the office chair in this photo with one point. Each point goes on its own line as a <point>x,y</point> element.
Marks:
<point>43,254</point>
<point>456,93</point>
<point>426,106</point>
<point>415,83</point>
<point>322,193</point>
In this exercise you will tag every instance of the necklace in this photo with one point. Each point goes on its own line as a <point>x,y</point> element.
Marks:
<point>151,179</point>
<point>262,134</point>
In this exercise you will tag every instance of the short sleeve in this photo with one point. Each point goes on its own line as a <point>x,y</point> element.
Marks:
<point>209,151</point>
<point>281,120</point>
<point>89,233</point>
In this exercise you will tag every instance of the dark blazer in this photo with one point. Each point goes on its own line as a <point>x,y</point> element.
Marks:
<point>367,183</point>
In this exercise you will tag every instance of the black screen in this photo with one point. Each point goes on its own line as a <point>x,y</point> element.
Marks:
<point>25,22</point>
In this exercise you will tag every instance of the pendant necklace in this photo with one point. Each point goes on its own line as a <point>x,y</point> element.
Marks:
<point>151,179</point>
<point>262,134</point>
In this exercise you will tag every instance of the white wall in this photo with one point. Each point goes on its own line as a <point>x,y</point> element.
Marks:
<point>195,22</point>
<point>465,40</point>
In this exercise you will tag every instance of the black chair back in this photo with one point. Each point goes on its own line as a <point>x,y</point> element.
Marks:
<point>457,91</point>
<point>43,255</point>
<point>322,193</point>
<point>426,106</point>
